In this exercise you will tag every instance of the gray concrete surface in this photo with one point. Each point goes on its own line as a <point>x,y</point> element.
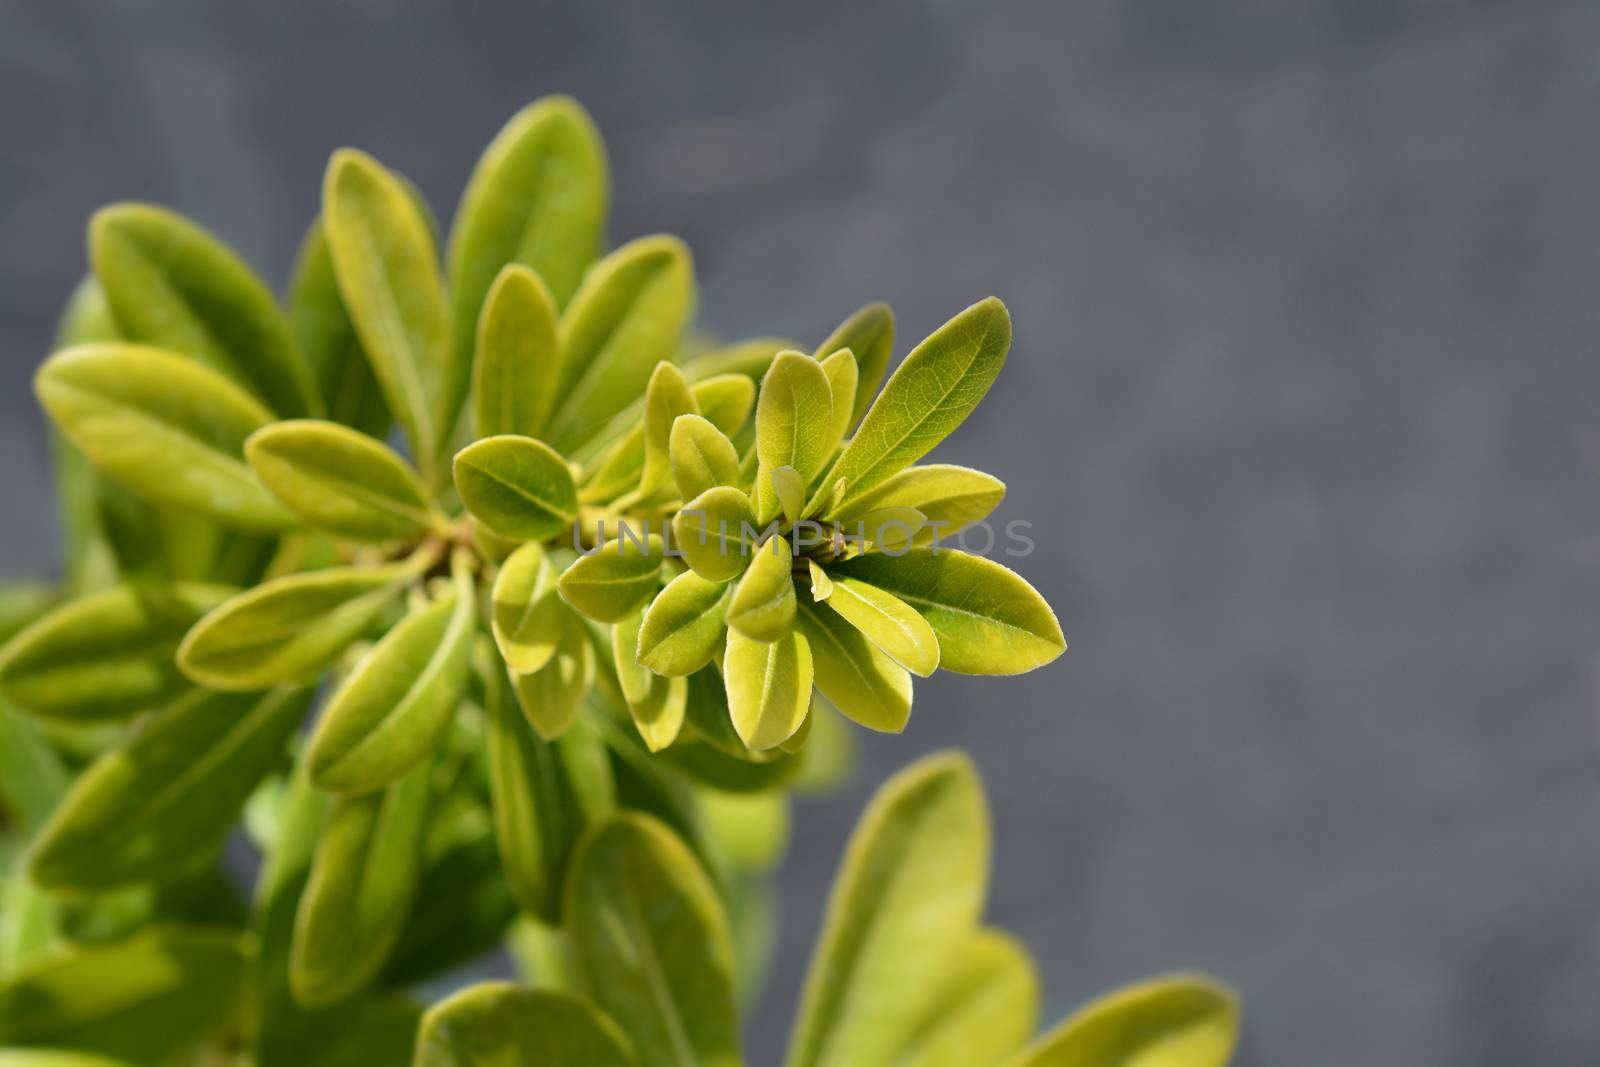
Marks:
<point>1302,403</point>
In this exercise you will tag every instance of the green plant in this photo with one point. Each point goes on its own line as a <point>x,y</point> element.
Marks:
<point>575,636</point>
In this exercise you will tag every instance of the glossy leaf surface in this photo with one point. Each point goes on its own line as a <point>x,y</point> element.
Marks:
<point>517,486</point>
<point>341,481</point>
<point>496,1024</point>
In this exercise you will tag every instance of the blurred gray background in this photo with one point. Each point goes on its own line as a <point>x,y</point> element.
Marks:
<point>1302,407</point>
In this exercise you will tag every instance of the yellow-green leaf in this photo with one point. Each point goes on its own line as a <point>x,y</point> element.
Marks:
<point>869,335</point>
<point>988,620</point>
<point>725,402</point>
<point>763,604</point>
<point>545,794</point>
<point>715,532</point>
<point>288,629</point>
<point>149,999</point>
<point>1181,1021</point>
<point>616,579</point>
<point>338,364</point>
<point>985,1009</point>
<point>862,682</point>
<point>105,655</point>
<point>169,794</point>
<point>393,709</point>
<point>794,418</point>
<point>624,319</point>
<point>652,944</point>
<point>514,371</point>
<point>666,398</point>
<point>701,455</point>
<point>843,375</point>
<point>769,687</point>
<point>528,616</point>
<point>516,486</point>
<point>888,622</point>
<point>383,256</point>
<point>790,490</point>
<point>927,397</point>
<point>908,896</point>
<point>172,285</point>
<point>341,481</point>
<point>368,864</point>
<point>655,701</point>
<point>166,427</point>
<point>552,696</point>
<point>496,1024</point>
<point>948,497</point>
<point>683,625</point>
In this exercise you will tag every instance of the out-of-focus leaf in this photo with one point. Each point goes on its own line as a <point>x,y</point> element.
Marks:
<point>288,629</point>
<point>514,370</point>
<point>929,395</point>
<point>393,709</point>
<point>1181,1021</point>
<point>33,777</point>
<point>517,486</point>
<point>147,999</point>
<point>616,579</point>
<point>496,1023</point>
<point>888,622</point>
<point>383,257</point>
<point>168,428</point>
<point>552,696</point>
<point>906,900</point>
<point>769,687</point>
<point>545,794</point>
<point>763,604</point>
<point>333,352</point>
<point>652,943</point>
<point>173,285</point>
<point>54,1057</point>
<point>747,831</point>
<point>169,794</point>
<point>987,618</point>
<point>363,881</point>
<point>624,319</point>
<point>657,702</point>
<point>869,334</point>
<point>724,401</point>
<point>683,625</point>
<point>985,1010</point>
<point>463,909</point>
<point>342,481</point>
<point>105,655</point>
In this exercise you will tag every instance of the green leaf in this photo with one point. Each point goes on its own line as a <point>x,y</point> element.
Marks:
<point>948,497</point>
<point>1181,1021</point>
<point>50,1057</point>
<point>821,584</point>
<point>624,319</point>
<point>840,367</point>
<point>342,481</point>
<point>724,401</point>
<point>518,487</point>
<point>869,335</point>
<point>528,616</point>
<point>368,864</point>
<point>701,456</point>
<point>545,793</point>
<point>683,625</point>
<point>552,696</point>
<point>763,604</point>
<point>148,999</point>
<point>888,622</point>
<point>927,397</point>
<point>464,908</point>
<point>514,371</point>
<point>105,655</point>
<point>339,366</point>
<point>988,620</point>
<point>794,418</point>
<point>652,944</point>
<point>290,628</point>
<point>166,427</point>
<point>394,708</point>
<point>907,897</point>
<point>891,529</point>
<point>383,256</point>
<point>666,398</point>
<point>495,1024</point>
<point>172,285</point>
<point>33,777</point>
<point>749,359</point>
<point>984,1010</point>
<point>769,687</point>
<point>715,533</point>
<point>789,489</point>
<point>655,701</point>
<point>169,794</point>
<point>862,682</point>
<point>616,579</point>
<point>749,831</point>
<point>537,197</point>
